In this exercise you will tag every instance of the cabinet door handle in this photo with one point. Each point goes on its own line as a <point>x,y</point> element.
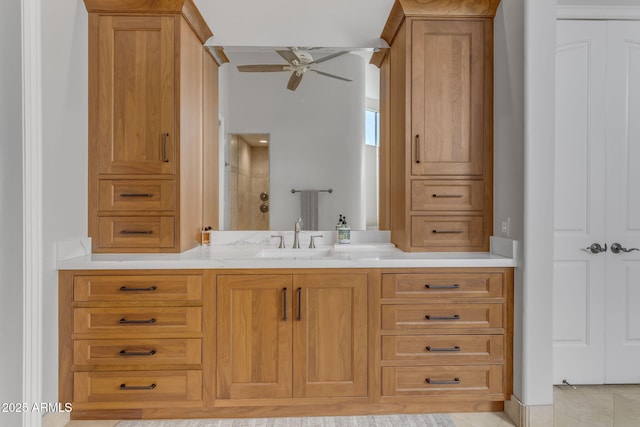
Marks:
<point>418,151</point>
<point>454,317</point>
<point>437,382</point>
<point>146,232</point>
<point>124,321</point>
<point>149,289</point>
<point>165,155</point>
<point>124,353</point>
<point>446,196</point>
<point>299,303</point>
<point>454,286</point>
<point>136,195</point>
<point>131,387</point>
<point>284,303</point>
<point>447,231</point>
<point>443,349</point>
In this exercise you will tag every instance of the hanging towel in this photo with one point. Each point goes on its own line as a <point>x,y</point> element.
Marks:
<point>309,209</point>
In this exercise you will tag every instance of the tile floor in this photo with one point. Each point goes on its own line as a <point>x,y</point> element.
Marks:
<point>584,406</point>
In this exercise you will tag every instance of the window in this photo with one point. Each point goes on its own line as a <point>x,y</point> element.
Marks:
<point>372,127</point>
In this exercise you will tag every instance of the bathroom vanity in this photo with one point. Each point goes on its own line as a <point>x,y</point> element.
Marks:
<point>242,332</point>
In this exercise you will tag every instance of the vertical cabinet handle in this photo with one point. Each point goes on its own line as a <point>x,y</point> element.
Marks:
<point>165,157</point>
<point>299,303</point>
<point>284,303</point>
<point>418,154</point>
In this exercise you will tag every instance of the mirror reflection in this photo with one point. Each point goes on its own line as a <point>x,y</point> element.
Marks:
<point>311,106</point>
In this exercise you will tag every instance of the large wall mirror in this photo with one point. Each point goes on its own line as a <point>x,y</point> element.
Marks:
<point>318,127</point>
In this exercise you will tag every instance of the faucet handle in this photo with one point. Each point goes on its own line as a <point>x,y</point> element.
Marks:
<point>312,243</point>
<point>281,246</point>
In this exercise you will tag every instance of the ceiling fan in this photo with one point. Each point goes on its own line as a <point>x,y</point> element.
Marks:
<point>299,62</point>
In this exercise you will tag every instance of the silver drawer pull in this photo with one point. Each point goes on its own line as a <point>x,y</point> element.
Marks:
<point>454,381</point>
<point>125,353</point>
<point>454,286</point>
<point>149,289</point>
<point>446,196</point>
<point>136,195</point>
<point>442,349</point>
<point>146,232</point>
<point>124,321</point>
<point>131,387</point>
<point>454,317</point>
<point>447,231</point>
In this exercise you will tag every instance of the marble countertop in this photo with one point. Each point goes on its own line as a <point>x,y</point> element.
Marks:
<point>245,255</point>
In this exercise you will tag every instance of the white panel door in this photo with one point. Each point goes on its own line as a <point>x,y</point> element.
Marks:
<point>579,210</point>
<point>623,203</point>
<point>596,307</point>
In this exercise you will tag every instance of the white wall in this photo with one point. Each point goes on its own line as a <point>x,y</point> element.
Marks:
<point>598,3</point>
<point>64,118</point>
<point>316,134</point>
<point>509,145</point>
<point>11,328</point>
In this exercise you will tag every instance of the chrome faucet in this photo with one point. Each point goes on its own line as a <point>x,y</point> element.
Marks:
<point>296,233</point>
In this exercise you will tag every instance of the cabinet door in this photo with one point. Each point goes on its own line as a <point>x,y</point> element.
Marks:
<point>135,128</point>
<point>254,336</point>
<point>447,78</point>
<point>330,335</point>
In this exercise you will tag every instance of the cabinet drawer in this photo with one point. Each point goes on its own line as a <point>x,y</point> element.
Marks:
<point>136,232</point>
<point>141,386</point>
<point>137,352</point>
<point>442,380</point>
<point>447,232</point>
<point>442,316</point>
<point>444,349</point>
<point>447,195</point>
<point>137,288</point>
<point>147,320</point>
<point>442,285</point>
<point>136,195</point>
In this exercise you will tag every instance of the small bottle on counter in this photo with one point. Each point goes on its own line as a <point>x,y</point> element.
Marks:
<point>344,231</point>
<point>206,236</point>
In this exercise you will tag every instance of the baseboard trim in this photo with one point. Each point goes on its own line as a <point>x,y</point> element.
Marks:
<point>528,416</point>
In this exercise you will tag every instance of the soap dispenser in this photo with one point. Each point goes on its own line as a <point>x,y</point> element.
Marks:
<point>344,231</point>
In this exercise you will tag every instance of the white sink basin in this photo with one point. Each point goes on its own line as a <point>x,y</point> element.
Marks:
<point>295,253</point>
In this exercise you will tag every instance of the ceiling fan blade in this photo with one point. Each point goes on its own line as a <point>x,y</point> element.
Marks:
<point>331,75</point>
<point>294,81</point>
<point>288,56</point>
<point>328,57</point>
<point>262,68</point>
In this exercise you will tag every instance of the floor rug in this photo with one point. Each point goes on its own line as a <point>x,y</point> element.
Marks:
<point>396,420</point>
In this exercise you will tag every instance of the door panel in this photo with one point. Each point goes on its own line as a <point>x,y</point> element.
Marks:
<point>579,217</point>
<point>330,335</point>
<point>623,202</point>
<point>254,336</point>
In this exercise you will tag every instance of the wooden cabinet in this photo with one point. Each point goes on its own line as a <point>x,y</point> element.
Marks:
<point>131,339</point>
<point>283,336</point>
<point>437,125</point>
<point>447,333</point>
<point>150,134</point>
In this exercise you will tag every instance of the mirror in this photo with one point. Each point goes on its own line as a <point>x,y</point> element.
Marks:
<point>316,135</point>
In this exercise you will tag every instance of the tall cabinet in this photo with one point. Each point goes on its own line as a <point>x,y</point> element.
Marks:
<point>150,142</point>
<point>437,125</point>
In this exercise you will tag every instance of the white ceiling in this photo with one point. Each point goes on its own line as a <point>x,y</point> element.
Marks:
<point>338,23</point>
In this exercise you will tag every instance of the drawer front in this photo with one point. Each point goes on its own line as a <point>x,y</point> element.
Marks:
<point>444,349</point>
<point>136,195</point>
<point>442,380</point>
<point>137,352</point>
<point>442,316</point>
<point>141,386</point>
<point>136,232</point>
<point>137,288</point>
<point>147,320</point>
<point>447,232</point>
<point>447,195</point>
<point>443,285</point>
